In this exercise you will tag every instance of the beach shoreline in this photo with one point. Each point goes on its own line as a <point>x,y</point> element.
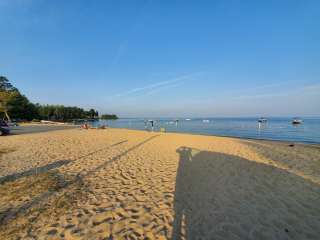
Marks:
<point>311,143</point>
<point>66,125</point>
<point>274,129</point>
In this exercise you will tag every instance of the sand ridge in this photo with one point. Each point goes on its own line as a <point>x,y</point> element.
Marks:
<point>126,184</point>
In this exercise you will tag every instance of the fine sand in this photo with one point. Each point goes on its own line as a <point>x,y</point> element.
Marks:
<point>125,184</point>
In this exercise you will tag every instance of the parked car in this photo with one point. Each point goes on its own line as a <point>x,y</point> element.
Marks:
<point>12,124</point>
<point>4,128</point>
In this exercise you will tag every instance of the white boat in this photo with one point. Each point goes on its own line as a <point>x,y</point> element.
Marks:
<point>188,119</point>
<point>297,121</point>
<point>262,120</point>
<point>206,121</point>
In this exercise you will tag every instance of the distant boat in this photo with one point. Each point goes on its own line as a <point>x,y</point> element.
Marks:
<point>188,119</point>
<point>205,121</point>
<point>296,121</point>
<point>262,120</point>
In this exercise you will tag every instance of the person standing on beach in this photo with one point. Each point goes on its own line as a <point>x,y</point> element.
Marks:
<point>151,122</point>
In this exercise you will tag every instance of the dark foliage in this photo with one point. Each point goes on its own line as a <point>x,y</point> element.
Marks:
<point>109,116</point>
<point>19,107</point>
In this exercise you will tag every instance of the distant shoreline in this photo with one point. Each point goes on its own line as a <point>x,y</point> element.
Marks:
<point>225,136</point>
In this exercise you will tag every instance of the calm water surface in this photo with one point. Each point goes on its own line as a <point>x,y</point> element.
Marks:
<point>274,129</point>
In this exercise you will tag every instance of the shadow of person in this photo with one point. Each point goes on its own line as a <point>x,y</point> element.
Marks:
<point>221,196</point>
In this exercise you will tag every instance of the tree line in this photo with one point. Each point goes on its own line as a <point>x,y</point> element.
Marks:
<point>14,105</point>
<point>109,116</point>
<point>63,113</point>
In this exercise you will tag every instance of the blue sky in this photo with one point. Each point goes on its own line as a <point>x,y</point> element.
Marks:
<point>165,58</point>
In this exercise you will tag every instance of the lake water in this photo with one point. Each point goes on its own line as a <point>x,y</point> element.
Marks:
<point>274,129</point>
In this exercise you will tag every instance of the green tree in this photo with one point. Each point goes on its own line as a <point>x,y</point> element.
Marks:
<point>92,113</point>
<point>109,116</point>
<point>5,85</point>
<point>19,107</point>
<point>13,104</point>
<point>4,100</point>
<point>6,94</point>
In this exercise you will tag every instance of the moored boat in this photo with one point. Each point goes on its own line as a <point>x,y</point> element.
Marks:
<point>296,121</point>
<point>262,120</point>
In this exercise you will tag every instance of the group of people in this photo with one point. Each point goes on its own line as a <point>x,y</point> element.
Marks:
<point>86,126</point>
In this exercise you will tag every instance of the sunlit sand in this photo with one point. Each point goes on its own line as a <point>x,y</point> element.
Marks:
<point>126,184</point>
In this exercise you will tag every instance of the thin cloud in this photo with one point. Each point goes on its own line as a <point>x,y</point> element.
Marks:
<point>263,87</point>
<point>245,92</point>
<point>120,52</point>
<point>313,88</point>
<point>308,89</point>
<point>146,90</point>
<point>261,96</point>
<point>174,85</point>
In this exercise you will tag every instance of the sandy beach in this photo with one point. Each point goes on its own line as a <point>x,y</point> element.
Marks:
<point>126,184</point>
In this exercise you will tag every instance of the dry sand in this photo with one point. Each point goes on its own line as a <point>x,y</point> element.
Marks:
<point>78,184</point>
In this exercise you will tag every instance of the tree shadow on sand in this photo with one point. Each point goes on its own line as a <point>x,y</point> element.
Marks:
<point>62,189</point>
<point>221,196</point>
<point>34,171</point>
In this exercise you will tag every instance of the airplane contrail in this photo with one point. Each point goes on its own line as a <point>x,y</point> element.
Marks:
<point>154,86</point>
